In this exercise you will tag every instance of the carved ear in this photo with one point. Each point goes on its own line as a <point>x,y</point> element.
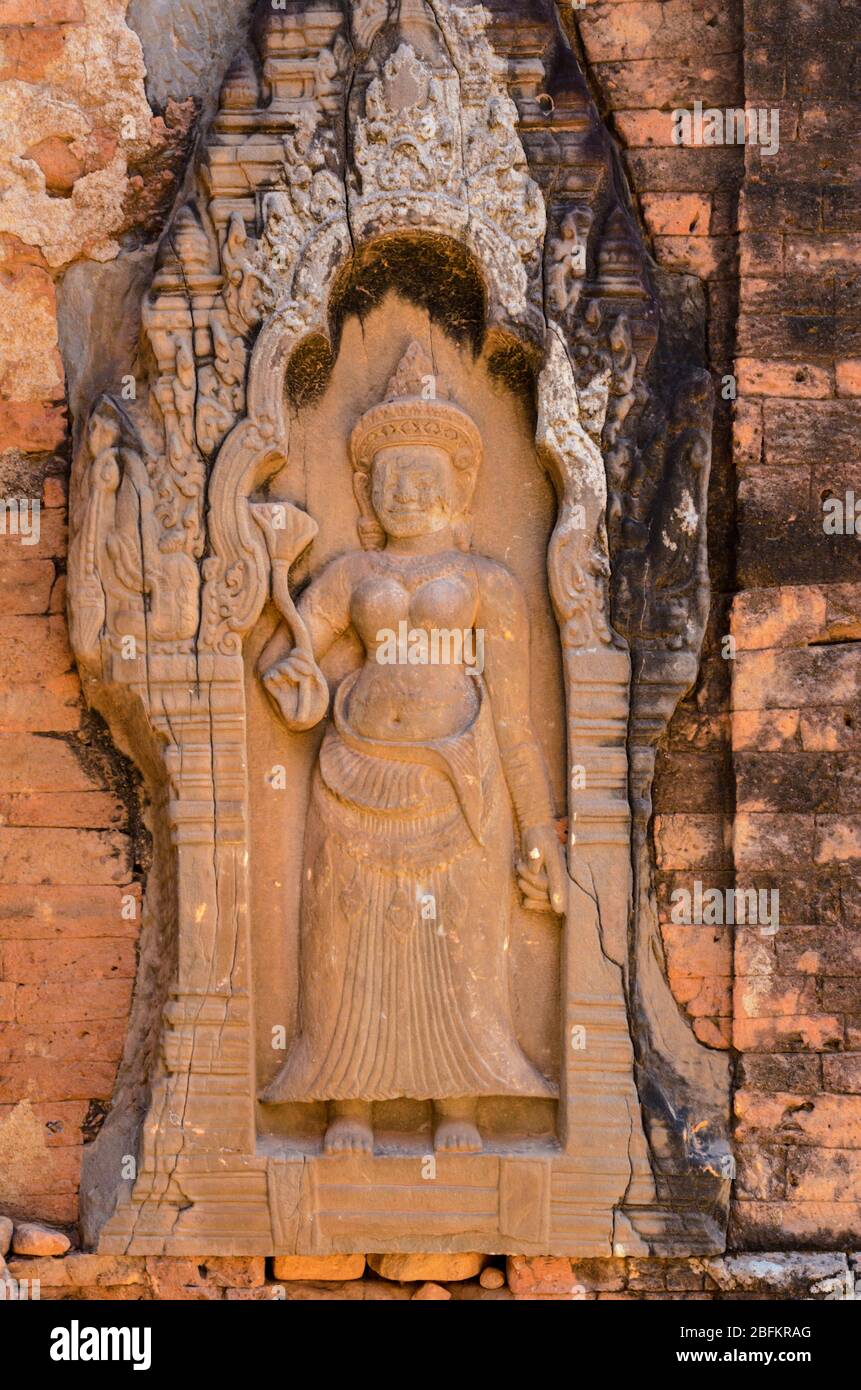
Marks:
<point>371,533</point>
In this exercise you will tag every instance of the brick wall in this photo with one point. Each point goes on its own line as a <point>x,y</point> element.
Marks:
<point>758,783</point>
<point>70,73</point>
<point>797,619</point>
<point>646,60</point>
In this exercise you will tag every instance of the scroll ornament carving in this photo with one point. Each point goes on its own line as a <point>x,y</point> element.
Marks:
<point>367,18</point>
<point>579,565</point>
<point>441,149</point>
<point>566,264</point>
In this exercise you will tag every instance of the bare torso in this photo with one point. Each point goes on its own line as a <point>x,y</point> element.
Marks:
<point>416,620</point>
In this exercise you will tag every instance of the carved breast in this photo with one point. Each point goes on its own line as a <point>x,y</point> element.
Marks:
<point>382,602</point>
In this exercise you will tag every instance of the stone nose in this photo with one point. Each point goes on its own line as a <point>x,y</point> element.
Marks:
<point>406,490</point>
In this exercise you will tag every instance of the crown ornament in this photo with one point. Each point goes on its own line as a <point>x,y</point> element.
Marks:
<point>416,409</point>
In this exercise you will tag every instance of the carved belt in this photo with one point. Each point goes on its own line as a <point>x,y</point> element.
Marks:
<point>458,756</point>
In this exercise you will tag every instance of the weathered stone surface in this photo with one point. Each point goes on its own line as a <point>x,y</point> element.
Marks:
<point>781,1275</point>
<point>541,1275</point>
<point>319,1267</point>
<point>79,1271</point>
<point>431,1293</point>
<point>196,1280</point>
<point>186,47</point>
<point>31,1238</point>
<point>406,1269</point>
<point>97,90</point>
<point>5,1235</point>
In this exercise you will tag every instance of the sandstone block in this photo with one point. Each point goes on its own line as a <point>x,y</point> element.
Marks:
<point>447,1269</point>
<point>795,380</point>
<point>677,214</point>
<point>324,1267</point>
<point>32,1238</point>
<point>849,377</point>
<point>539,1274</point>
<point>81,1271</point>
<point>784,1275</point>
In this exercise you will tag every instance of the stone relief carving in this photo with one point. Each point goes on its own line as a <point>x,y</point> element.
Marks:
<point>409,810</point>
<point>346,137</point>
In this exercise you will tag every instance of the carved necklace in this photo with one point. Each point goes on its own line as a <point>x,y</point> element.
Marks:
<point>415,568</point>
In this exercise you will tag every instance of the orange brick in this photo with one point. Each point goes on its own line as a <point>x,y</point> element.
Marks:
<point>47,12</point>
<point>655,29</point>
<point>677,214</point>
<point>702,998</point>
<point>828,730</point>
<point>32,427</point>
<point>32,962</point>
<point>772,996</point>
<point>62,1120</point>
<point>63,856</point>
<point>540,1275</point>
<point>792,379</point>
<point>814,1033</point>
<point>685,842</point>
<point>714,1032</point>
<point>34,649</point>
<point>698,950</point>
<point>842,1073</point>
<point>25,585</point>
<point>838,839</point>
<point>43,1206</point>
<point>763,840</point>
<point>709,257</point>
<point>48,911</point>
<point>823,1175</point>
<point>826,1121</point>
<point>747,433</point>
<point>31,763</point>
<point>37,1079</point>
<point>645,128</point>
<point>55,491</point>
<point>790,616</point>
<point>7,1001</point>
<point>54,1003</point>
<point>823,253</point>
<point>767,732</point>
<point>849,377</point>
<point>51,705</point>
<point>64,810</point>
<point>81,1040</point>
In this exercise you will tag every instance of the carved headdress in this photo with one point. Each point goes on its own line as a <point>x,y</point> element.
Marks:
<point>416,409</point>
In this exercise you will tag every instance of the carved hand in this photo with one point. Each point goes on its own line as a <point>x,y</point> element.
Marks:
<point>542,875</point>
<point>298,689</point>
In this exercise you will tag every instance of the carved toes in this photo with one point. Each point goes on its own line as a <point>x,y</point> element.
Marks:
<point>457,1137</point>
<point>348,1136</point>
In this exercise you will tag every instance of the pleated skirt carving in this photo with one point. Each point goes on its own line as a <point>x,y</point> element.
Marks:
<point>404,987</point>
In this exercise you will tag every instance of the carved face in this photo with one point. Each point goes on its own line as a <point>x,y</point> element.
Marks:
<point>413,490</point>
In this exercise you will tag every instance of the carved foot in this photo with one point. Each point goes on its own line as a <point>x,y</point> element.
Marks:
<point>349,1130</point>
<point>455,1129</point>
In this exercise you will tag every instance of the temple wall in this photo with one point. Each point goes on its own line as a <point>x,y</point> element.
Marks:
<point>757,783</point>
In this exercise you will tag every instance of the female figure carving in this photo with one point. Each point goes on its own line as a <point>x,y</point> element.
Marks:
<point>425,768</point>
